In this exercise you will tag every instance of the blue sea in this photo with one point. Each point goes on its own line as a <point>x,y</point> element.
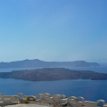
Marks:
<point>90,89</point>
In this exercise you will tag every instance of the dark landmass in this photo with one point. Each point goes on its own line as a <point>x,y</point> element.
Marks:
<point>50,74</point>
<point>46,64</point>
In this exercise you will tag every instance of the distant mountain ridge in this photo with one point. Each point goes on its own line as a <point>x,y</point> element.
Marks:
<point>52,74</point>
<point>36,63</point>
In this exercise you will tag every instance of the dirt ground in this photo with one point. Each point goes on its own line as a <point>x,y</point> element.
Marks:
<point>27,105</point>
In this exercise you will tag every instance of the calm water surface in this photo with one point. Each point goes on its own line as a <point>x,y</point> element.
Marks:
<point>91,90</point>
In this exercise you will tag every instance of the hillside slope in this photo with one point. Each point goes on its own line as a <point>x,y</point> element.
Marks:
<point>50,74</point>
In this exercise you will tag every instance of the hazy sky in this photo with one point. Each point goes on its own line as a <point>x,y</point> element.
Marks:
<point>53,30</point>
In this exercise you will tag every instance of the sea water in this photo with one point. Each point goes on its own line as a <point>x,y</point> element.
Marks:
<point>90,89</point>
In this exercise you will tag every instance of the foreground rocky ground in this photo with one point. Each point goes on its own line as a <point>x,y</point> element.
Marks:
<point>48,100</point>
<point>27,105</point>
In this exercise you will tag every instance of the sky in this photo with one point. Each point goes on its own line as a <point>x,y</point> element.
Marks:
<point>53,30</point>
